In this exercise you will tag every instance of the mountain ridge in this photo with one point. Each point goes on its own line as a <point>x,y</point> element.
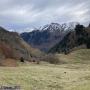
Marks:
<point>46,37</point>
<point>74,39</point>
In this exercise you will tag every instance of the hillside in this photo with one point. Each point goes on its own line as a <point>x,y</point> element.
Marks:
<point>13,46</point>
<point>79,56</point>
<point>73,40</point>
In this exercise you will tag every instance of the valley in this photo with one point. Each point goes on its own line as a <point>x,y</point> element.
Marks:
<point>44,44</point>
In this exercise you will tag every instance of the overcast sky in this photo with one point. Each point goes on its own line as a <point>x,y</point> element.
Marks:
<point>24,15</point>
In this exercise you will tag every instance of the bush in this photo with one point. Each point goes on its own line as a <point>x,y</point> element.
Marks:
<point>22,59</point>
<point>38,61</point>
<point>51,58</point>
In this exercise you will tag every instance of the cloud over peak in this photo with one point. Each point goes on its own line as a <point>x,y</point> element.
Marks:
<point>21,14</point>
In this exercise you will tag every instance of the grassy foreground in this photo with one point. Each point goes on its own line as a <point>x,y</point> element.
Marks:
<point>47,77</point>
<point>73,75</point>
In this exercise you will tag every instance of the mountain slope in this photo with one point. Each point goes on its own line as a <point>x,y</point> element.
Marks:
<point>13,46</point>
<point>78,56</point>
<point>72,40</point>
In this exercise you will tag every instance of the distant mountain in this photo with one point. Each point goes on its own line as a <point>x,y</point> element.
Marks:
<point>46,37</point>
<point>13,46</point>
<point>79,38</point>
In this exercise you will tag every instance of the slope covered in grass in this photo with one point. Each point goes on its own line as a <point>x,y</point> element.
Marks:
<point>78,56</point>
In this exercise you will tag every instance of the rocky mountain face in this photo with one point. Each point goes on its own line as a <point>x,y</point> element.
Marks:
<point>13,46</point>
<point>46,37</point>
<point>79,38</point>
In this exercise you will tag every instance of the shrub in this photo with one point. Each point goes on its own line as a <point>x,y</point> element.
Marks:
<point>38,61</point>
<point>51,58</point>
<point>22,59</point>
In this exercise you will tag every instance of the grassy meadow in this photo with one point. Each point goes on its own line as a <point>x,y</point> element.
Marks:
<point>45,76</point>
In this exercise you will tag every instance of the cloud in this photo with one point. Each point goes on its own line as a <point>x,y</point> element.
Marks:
<point>22,14</point>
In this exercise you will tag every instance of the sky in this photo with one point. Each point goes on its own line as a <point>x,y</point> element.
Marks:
<point>25,15</point>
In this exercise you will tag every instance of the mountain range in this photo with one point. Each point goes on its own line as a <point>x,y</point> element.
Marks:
<point>58,38</point>
<point>46,37</point>
<point>52,38</point>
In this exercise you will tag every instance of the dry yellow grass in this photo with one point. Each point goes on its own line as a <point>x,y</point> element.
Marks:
<point>46,76</point>
<point>70,76</point>
<point>78,56</point>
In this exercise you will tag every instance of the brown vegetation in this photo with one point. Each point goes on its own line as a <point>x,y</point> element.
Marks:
<point>6,50</point>
<point>8,62</point>
<point>51,58</point>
